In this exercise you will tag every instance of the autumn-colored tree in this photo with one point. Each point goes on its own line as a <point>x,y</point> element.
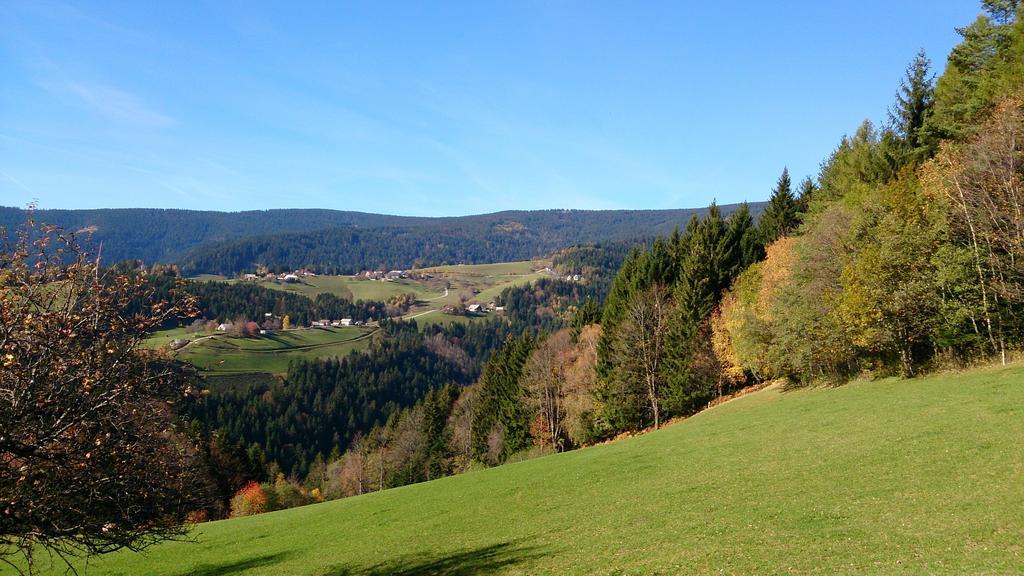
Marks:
<point>983,186</point>
<point>581,385</point>
<point>460,427</point>
<point>352,479</point>
<point>251,499</point>
<point>90,456</point>
<point>640,346</point>
<point>544,379</point>
<point>732,371</point>
<point>890,294</point>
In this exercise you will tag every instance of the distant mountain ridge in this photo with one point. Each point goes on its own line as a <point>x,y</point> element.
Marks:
<point>344,241</point>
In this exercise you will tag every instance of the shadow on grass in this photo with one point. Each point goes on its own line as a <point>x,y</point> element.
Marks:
<point>486,560</point>
<point>239,567</point>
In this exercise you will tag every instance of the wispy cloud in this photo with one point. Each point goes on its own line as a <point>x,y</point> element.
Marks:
<point>118,104</point>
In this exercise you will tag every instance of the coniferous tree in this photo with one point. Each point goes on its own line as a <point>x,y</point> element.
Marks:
<point>621,289</point>
<point>437,407</point>
<point>781,216</point>
<point>1002,11</point>
<point>913,107</point>
<point>807,190</point>
<point>589,313</point>
<point>704,272</point>
<point>744,241</point>
<point>501,424</point>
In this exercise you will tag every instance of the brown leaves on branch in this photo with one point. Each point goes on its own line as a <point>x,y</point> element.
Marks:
<point>90,460</point>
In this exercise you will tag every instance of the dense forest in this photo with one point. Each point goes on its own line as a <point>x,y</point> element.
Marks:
<point>902,255</point>
<point>470,240</point>
<point>342,242</point>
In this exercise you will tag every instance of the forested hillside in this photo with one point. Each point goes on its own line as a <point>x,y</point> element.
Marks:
<point>903,255</point>
<point>343,242</point>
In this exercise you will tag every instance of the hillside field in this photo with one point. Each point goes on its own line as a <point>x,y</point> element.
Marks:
<point>219,353</point>
<point>271,353</point>
<point>480,283</point>
<point>888,477</point>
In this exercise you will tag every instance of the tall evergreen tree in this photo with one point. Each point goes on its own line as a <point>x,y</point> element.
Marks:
<point>804,195</point>
<point>744,241</point>
<point>781,215</point>
<point>502,410</point>
<point>913,107</point>
<point>621,290</point>
<point>705,271</point>
<point>437,407</point>
<point>1002,11</point>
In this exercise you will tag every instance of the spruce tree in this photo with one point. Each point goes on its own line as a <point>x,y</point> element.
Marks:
<point>781,216</point>
<point>744,242</point>
<point>704,271</point>
<point>806,193</point>
<point>913,107</point>
<point>619,294</point>
<point>501,404</point>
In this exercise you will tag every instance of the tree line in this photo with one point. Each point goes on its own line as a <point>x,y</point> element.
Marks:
<point>159,236</point>
<point>909,254</point>
<point>468,240</point>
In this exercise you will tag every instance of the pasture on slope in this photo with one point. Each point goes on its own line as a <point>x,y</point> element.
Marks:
<point>273,352</point>
<point>480,283</point>
<point>887,477</point>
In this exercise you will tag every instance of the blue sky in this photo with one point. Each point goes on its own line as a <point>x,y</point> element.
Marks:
<point>441,108</point>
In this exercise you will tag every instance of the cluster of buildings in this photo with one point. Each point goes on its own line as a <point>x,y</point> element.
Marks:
<point>283,277</point>
<point>385,276</point>
<point>474,309</point>
<point>336,323</point>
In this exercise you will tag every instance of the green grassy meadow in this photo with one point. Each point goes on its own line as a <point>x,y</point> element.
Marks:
<point>164,337</point>
<point>271,353</point>
<point>360,289</point>
<point>889,477</point>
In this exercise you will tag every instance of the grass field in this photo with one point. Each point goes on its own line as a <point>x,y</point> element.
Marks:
<point>481,283</point>
<point>271,353</point>
<point>360,289</point>
<point>164,337</point>
<point>890,477</point>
